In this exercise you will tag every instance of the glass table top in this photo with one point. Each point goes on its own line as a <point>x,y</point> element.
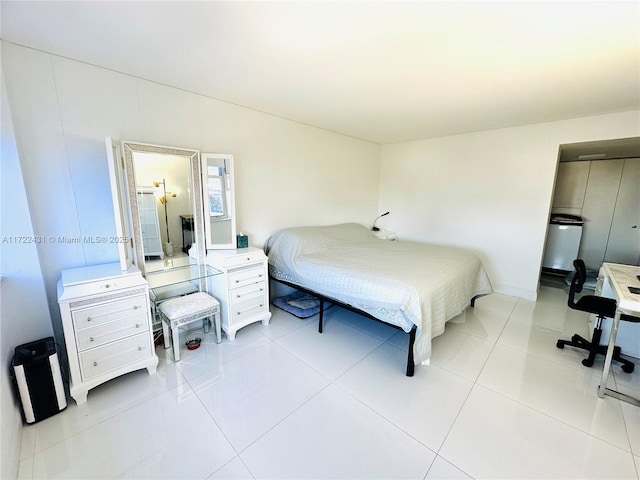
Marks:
<point>177,273</point>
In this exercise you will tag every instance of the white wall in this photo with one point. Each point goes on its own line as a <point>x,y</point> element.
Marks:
<point>286,173</point>
<point>489,191</point>
<point>24,313</point>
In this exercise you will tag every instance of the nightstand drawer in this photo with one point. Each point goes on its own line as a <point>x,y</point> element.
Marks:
<point>243,310</point>
<point>109,312</point>
<point>241,278</point>
<point>112,331</point>
<point>247,292</point>
<point>244,258</point>
<point>114,355</point>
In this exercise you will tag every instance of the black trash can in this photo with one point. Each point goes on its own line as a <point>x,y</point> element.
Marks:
<point>38,380</point>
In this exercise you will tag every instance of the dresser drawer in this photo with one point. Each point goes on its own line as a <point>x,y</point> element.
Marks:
<point>106,286</point>
<point>243,277</point>
<point>109,312</point>
<point>109,332</point>
<point>241,294</point>
<point>114,355</point>
<point>244,258</point>
<point>243,310</point>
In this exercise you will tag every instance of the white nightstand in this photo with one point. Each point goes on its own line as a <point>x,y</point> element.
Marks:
<point>242,289</point>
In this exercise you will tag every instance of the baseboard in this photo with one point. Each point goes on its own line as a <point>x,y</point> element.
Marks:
<point>516,292</point>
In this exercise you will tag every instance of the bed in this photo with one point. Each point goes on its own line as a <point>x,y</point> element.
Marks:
<point>412,286</point>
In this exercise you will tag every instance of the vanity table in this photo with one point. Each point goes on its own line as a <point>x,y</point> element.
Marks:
<point>106,323</point>
<point>174,278</point>
<point>242,288</point>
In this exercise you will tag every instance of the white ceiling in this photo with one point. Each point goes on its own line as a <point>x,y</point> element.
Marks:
<point>381,71</point>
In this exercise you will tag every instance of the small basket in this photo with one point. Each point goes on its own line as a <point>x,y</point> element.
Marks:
<point>193,343</point>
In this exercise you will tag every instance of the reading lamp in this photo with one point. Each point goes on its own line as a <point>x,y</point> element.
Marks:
<point>374,228</point>
<point>163,201</point>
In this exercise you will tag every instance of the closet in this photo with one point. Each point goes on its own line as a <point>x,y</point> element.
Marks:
<point>606,194</point>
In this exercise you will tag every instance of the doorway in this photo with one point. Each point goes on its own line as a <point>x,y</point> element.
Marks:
<point>599,182</point>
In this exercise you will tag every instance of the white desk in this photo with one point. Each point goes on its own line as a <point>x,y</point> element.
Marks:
<point>621,277</point>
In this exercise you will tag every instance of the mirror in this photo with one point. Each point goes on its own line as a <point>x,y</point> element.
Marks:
<point>118,179</point>
<point>164,194</point>
<point>219,201</point>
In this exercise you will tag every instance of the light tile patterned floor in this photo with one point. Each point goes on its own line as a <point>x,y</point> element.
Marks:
<point>283,401</point>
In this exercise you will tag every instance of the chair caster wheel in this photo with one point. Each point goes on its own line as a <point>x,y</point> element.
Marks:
<point>628,368</point>
<point>559,344</point>
<point>587,363</point>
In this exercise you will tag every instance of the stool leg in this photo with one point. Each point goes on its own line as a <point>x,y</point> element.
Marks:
<point>205,324</point>
<point>216,320</point>
<point>175,339</point>
<point>165,335</point>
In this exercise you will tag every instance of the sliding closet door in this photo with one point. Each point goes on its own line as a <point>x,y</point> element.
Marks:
<point>624,238</point>
<point>597,212</point>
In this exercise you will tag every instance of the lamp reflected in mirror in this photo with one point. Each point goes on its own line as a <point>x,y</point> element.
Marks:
<point>164,201</point>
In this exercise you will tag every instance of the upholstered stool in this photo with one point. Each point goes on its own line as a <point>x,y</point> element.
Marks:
<point>184,310</point>
<point>159,295</point>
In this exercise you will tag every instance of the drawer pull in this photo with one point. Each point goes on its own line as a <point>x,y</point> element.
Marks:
<point>115,331</point>
<point>139,349</point>
<point>249,309</point>
<point>95,364</point>
<point>255,279</point>
<point>114,312</point>
<point>240,295</point>
<point>106,285</point>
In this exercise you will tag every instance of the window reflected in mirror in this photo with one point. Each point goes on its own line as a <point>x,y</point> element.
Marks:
<point>220,226</point>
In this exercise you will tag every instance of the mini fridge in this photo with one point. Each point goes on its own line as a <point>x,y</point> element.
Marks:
<point>38,380</point>
<point>563,242</point>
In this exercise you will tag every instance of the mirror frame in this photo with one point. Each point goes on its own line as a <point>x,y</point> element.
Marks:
<point>128,150</point>
<point>117,180</point>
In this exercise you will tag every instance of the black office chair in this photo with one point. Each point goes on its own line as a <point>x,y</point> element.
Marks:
<point>602,307</point>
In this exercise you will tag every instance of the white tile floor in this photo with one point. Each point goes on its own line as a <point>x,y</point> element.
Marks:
<point>282,401</point>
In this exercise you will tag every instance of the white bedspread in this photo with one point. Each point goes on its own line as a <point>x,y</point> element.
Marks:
<point>402,283</point>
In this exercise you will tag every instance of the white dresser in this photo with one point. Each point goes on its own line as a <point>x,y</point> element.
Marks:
<point>242,289</point>
<point>107,325</point>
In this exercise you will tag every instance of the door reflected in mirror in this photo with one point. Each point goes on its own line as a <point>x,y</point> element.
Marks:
<point>219,201</point>
<point>163,188</point>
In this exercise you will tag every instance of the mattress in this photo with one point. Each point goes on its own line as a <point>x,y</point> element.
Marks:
<point>402,283</point>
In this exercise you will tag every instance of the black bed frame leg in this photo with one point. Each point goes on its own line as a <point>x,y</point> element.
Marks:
<point>473,300</point>
<point>321,317</point>
<point>410,363</point>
